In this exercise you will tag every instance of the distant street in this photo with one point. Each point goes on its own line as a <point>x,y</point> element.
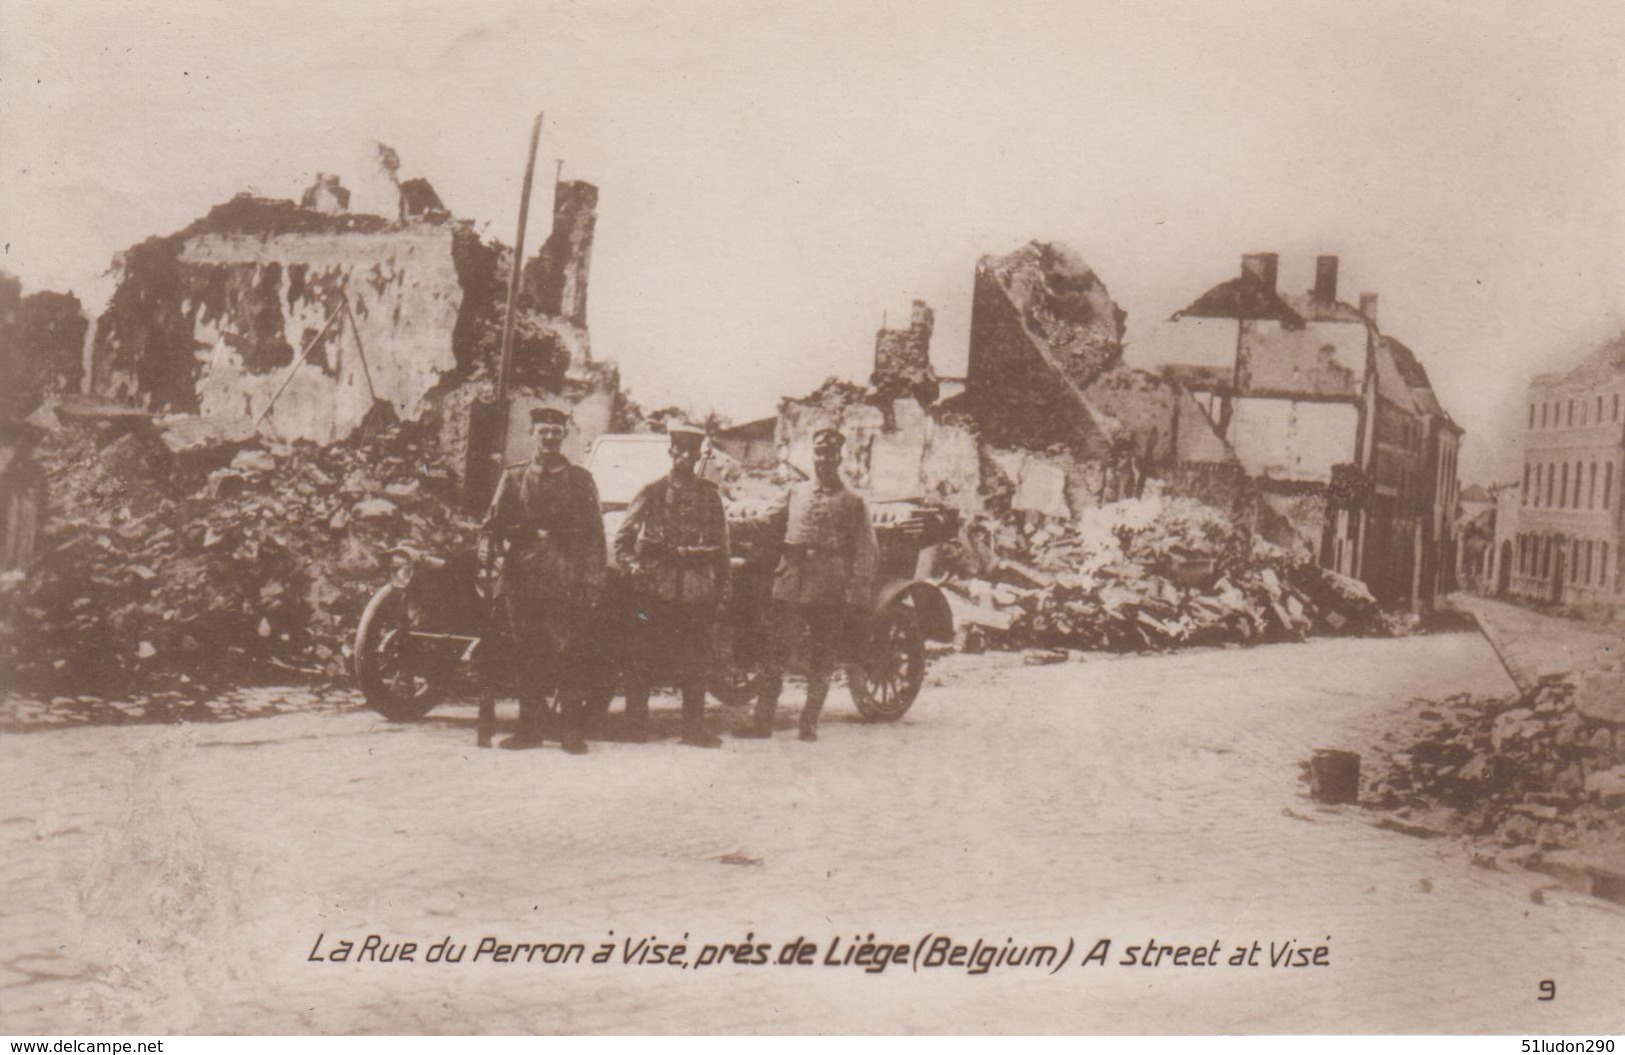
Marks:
<point>176,878</point>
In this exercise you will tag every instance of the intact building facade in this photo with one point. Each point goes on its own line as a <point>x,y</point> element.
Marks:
<point>1569,523</point>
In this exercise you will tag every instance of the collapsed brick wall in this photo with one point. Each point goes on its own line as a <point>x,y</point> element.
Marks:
<point>895,448</point>
<point>276,293</point>
<point>210,321</point>
<point>903,359</point>
<point>1043,328</point>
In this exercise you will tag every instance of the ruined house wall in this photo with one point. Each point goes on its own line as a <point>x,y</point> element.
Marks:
<point>1012,391</point>
<point>260,300</point>
<point>902,451</point>
<point>211,323</point>
<point>1043,328</point>
<point>1143,407</point>
<point>1189,340</point>
<point>1319,358</point>
<point>1041,483</point>
<point>1286,439</point>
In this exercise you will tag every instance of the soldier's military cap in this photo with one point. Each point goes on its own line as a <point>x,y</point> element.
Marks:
<point>683,432</point>
<point>548,416</point>
<point>829,434</point>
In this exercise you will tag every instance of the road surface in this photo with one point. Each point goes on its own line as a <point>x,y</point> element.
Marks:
<point>199,878</point>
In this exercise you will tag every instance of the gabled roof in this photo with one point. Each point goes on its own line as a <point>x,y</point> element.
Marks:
<point>1391,382</point>
<point>1410,368</point>
<point>1243,297</point>
<point>1415,376</point>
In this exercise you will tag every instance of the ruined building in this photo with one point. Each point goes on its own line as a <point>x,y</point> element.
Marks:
<point>901,443</point>
<point>42,337</point>
<point>1049,413</point>
<point>297,321</point>
<point>556,278</point>
<point>1046,368</point>
<point>1336,423</point>
<point>1043,328</point>
<point>1569,522</point>
<point>327,194</point>
<point>903,359</point>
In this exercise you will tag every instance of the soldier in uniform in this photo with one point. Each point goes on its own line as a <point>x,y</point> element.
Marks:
<point>824,581</point>
<point>674,546</point>
<point>547,511</point>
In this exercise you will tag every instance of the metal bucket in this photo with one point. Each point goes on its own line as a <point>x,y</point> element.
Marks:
<point>1334,776</point>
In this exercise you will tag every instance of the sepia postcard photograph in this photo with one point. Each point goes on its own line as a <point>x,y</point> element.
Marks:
<point>885,518</point>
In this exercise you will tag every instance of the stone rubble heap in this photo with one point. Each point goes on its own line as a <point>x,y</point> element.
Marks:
<point>1527,772</point>
<point>1142,574</point>
<point>255,565</point>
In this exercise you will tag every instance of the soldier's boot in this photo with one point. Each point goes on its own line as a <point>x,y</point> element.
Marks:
<point>694,734</point>
<point>817,692</point>
<point>529,733</point>
<point>767,707</point>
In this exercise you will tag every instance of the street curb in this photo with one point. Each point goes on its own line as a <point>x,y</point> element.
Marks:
<point>1498,649</point>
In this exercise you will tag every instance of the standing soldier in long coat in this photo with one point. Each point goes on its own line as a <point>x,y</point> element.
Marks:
<point>825,580</point>
<point>547,512</point>
<point>674,546</point>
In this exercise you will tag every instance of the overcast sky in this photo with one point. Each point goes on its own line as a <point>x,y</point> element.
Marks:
<point>775,177</point>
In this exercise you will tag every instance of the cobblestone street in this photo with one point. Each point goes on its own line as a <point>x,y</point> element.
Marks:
<point>174,878</point>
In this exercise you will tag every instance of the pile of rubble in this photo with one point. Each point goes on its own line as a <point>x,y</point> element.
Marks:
<point>1149,573</point>
<point>160,570</point>
<point>1528,772</point>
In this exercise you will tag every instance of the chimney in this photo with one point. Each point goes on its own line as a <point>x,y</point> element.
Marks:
<point>1260,267</point>
<point>922,318</point>
<point>1368,306</point>
<point>557,276</point>
<point>1326,279</point>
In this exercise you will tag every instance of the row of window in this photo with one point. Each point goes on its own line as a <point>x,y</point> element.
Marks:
<point>1550,415</point>
<point>1582,563</point>
<point>1551,486</point>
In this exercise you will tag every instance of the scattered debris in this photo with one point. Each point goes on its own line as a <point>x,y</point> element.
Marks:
<point>1526,774</point>
<point>1151,574</point>
<point>156,573</point>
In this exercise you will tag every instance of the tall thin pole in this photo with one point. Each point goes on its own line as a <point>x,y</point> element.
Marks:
<point>505,375</point>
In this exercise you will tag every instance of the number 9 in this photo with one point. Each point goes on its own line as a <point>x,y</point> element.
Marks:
<point>1548,990</point>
